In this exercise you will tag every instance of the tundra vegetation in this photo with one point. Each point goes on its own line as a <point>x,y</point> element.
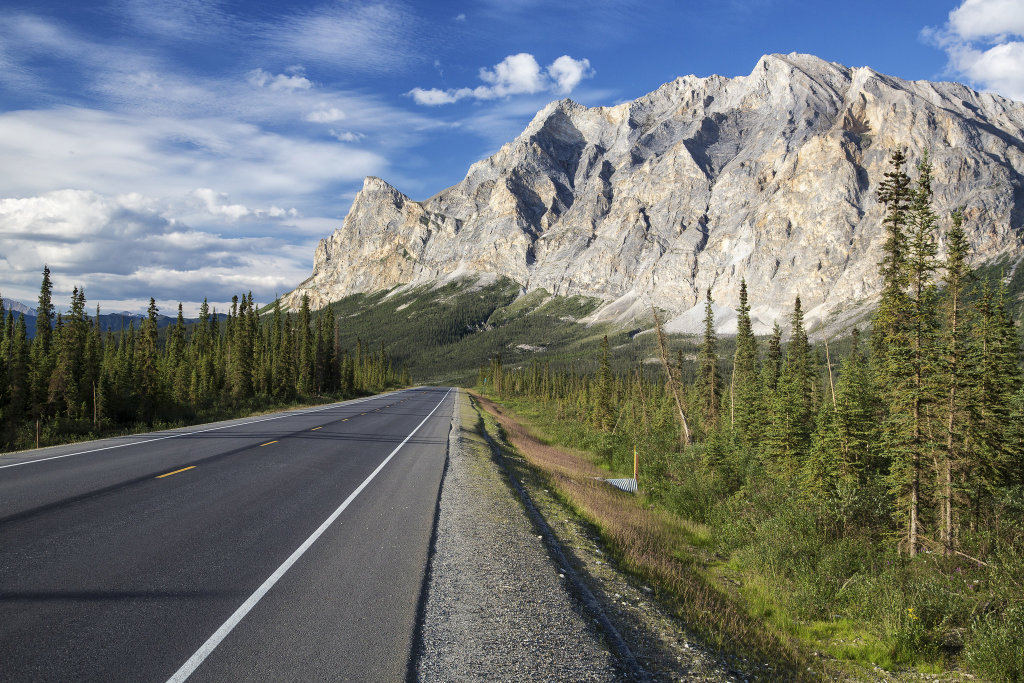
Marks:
<point>71,381</point>
<point>866,504</point>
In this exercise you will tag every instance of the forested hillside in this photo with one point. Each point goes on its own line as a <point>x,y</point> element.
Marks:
<point>74,381</point>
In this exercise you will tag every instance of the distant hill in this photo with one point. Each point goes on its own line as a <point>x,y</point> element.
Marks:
<point>109,322</point>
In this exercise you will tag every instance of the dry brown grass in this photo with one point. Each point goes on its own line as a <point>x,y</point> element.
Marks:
<point>653,545</point>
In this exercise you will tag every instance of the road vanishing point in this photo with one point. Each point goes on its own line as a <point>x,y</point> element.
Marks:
<point>283,547</point>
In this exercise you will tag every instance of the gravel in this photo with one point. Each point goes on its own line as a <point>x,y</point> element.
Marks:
<point>497,607</point>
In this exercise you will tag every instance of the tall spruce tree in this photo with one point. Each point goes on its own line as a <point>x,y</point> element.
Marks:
<point>41,355</point>
<point>953,374</point>
<point>304,352</point>
<point>709,390</point>
<point>896,193</point>
<point>146,364</point>
<point>744,391</point>
<point>791,406</point>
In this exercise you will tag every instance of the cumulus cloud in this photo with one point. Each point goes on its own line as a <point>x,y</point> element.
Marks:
<point>981,19</point>
<point>114,244</point>
<point>984,40</point>
<point>517,74</point>
<point>568,72</point>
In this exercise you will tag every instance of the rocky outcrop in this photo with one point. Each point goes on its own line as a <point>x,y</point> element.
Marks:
<point>769,177</point>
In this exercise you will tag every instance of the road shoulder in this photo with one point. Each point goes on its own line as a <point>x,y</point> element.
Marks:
<point>497,606</point>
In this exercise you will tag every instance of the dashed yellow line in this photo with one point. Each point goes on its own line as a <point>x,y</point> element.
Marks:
<point>316,428</point>
<point>345,420</point>
<point>267,443</point>
<point>183,469</point>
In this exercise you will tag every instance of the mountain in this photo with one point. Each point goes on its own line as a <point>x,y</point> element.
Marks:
<point>18,307</point>
<point>769,177</point>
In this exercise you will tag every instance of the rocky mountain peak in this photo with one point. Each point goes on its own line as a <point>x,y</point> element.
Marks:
<point>769,177</point>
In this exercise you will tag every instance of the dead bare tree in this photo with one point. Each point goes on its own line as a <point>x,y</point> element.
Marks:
<point>673,379</point>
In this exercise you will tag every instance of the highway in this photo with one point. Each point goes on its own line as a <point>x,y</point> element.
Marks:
<point>285,547</point>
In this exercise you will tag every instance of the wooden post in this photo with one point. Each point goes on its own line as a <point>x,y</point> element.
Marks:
<point>636,466</point>
<point>37,432</point>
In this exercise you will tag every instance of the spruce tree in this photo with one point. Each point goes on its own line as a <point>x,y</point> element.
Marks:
<point>18,377</point>
<point>708,381</point>
<point>304,341</point>
<point>790,422</point>
<point>953,373</point>
<point>603,418</point>
<point>41,357</point>
<point>744,393</point>
<point>146,365</point>
<point>896,193</point>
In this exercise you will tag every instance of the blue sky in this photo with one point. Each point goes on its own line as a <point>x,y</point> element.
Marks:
<point>189,148</point>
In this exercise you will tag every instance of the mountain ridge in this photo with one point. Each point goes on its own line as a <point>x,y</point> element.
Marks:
<point>769,177</point>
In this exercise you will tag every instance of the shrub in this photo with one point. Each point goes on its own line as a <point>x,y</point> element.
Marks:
<point>995,645</point>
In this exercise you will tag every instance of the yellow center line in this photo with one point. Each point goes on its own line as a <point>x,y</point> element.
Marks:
<point>267,443</point>
<point>316,428</point>
<point>190,467</point>
<point>345,420</point>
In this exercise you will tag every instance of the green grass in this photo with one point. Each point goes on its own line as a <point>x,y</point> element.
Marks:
<point>852,598</point>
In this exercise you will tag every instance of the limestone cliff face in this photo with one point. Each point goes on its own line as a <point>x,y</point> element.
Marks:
<point>769,177</point>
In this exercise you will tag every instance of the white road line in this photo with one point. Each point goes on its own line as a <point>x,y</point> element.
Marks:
<point>200,431</point>
<point>204,651</point>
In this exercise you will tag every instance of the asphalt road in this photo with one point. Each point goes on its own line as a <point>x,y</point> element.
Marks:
<point>279,548</point>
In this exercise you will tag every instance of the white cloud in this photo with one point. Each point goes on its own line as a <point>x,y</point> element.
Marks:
<point>326,115</point>
<point>433,96</point>
<point>182,19</point>
<point>460,17</point>
<point>217,204</point>
<point>157,156</point>
<point>373,37</point>
<point>1000,68</point>
<point>263,79</point>
<point>568,72</point>
<point>981,39</point>
<point>982,19</point>
<point>518,74</point>
<point>514,75</point>
<point>114,244</point>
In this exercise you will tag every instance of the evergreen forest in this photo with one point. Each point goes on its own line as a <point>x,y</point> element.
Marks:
<point>72,381</point>
<point>879,492</point>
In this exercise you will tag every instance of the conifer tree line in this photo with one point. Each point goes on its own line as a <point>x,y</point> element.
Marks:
<point>74,379</point>
<point>915,435</point>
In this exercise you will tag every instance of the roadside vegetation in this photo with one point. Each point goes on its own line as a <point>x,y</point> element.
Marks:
<point>867,505</point>
<point>73,382</point>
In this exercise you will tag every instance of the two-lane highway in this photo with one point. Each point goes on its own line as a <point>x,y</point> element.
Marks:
<point>284,547</point>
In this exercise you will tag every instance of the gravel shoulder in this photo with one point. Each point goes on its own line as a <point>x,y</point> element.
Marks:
<point>497,606</point>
